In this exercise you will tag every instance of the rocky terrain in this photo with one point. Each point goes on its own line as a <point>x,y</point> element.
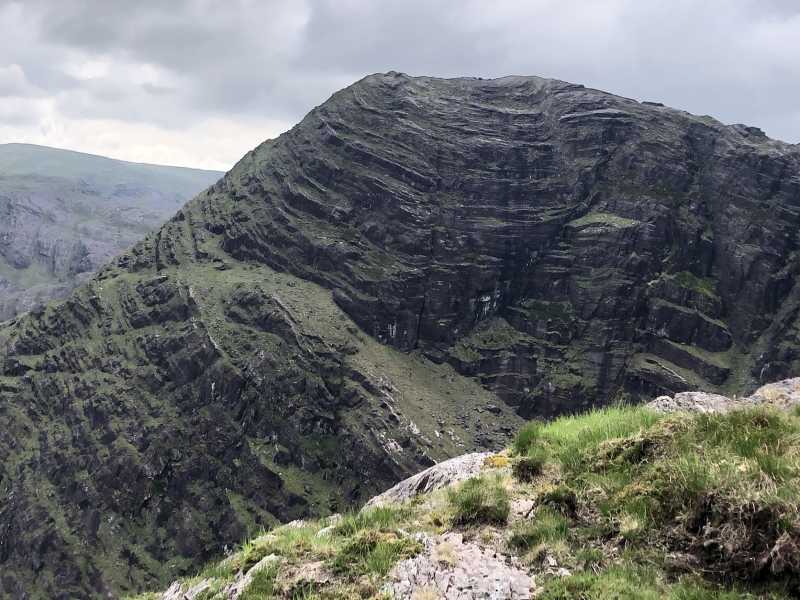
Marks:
<point>561,245</point>
<point>564,513</point>
<point>401,278</point>
<point>63,214</point>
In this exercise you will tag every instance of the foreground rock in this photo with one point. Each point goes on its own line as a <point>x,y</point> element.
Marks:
<point>436,477</point>
<point>451,569</point>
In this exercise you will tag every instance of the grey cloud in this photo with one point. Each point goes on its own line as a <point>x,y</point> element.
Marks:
<point>244,60</point>
<point>18,112</point>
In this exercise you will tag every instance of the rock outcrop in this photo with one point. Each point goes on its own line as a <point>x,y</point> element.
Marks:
<point>781,394</point>
<point>438,476</point>
<point>452,569</point>
<point>561,245</point>
<point>391,283</point>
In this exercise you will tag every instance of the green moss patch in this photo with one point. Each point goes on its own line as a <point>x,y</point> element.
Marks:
<point>601,219</point>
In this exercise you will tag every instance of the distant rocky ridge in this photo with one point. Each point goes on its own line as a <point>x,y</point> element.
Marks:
<point>397,280</point>
<point>64,213</point>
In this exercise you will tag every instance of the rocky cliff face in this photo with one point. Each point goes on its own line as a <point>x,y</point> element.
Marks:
<point>562,245</point>
<point>63,214</point>
<point>383,286</point>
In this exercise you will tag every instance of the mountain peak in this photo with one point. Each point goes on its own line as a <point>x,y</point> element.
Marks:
<point>403,277</point>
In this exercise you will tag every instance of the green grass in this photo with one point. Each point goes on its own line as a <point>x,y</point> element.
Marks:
<point>647,478</point>
<point>568,439</point>
<point>631,582</point>
<point>704,285</point>
<point>641,458</point>
<point>561,498</point>
<point>546,526</point>
<point>222,571</point>
<point>526,437</point>
<point>371,552</point>
<point>526,468</point>
<point>480,500</point>
<point>379,518</point>
<point>262,586</point>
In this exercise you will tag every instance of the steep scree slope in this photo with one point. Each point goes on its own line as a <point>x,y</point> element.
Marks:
<point>558,245</point>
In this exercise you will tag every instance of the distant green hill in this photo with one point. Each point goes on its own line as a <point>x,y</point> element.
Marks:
<point>100,171</point>
<point>63,213</point>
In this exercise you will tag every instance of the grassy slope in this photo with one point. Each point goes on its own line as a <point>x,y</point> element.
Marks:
<point>29,159</point>
<point>634,504</point>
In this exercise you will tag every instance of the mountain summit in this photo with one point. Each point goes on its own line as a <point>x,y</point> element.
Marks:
<point>398,279</point>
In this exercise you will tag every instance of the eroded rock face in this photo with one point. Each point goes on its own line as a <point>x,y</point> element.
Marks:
<point>183,397</point>
<point>562,245</point>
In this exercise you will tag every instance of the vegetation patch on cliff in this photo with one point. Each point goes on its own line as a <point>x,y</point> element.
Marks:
<point>601,219</point>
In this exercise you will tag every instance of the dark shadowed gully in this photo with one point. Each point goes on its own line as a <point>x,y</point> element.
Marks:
<point>398,279</point>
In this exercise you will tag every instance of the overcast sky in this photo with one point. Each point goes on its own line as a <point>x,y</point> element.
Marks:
<point>200,82</point>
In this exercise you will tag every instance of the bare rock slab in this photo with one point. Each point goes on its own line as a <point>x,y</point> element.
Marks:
<point>433,478</point>
<point>452,569</point>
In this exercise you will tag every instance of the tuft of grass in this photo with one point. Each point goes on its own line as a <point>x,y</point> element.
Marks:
<point>571,438</point>
<point>480,500</point>
<point>561,498</point>
<point>223,570</point>
<point>526,438</point>
<point>373,553</point>
<point>641,473</point>
<point>262,585</point>
<point>288,541</point>
<point>526,468</point>
<point>381,518</point>
<point>426,593</point>
<point>634,582</point>
<point>547,526</point>
<point>445,553</point>
<point>589,556</point>
<point>496,461</point>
